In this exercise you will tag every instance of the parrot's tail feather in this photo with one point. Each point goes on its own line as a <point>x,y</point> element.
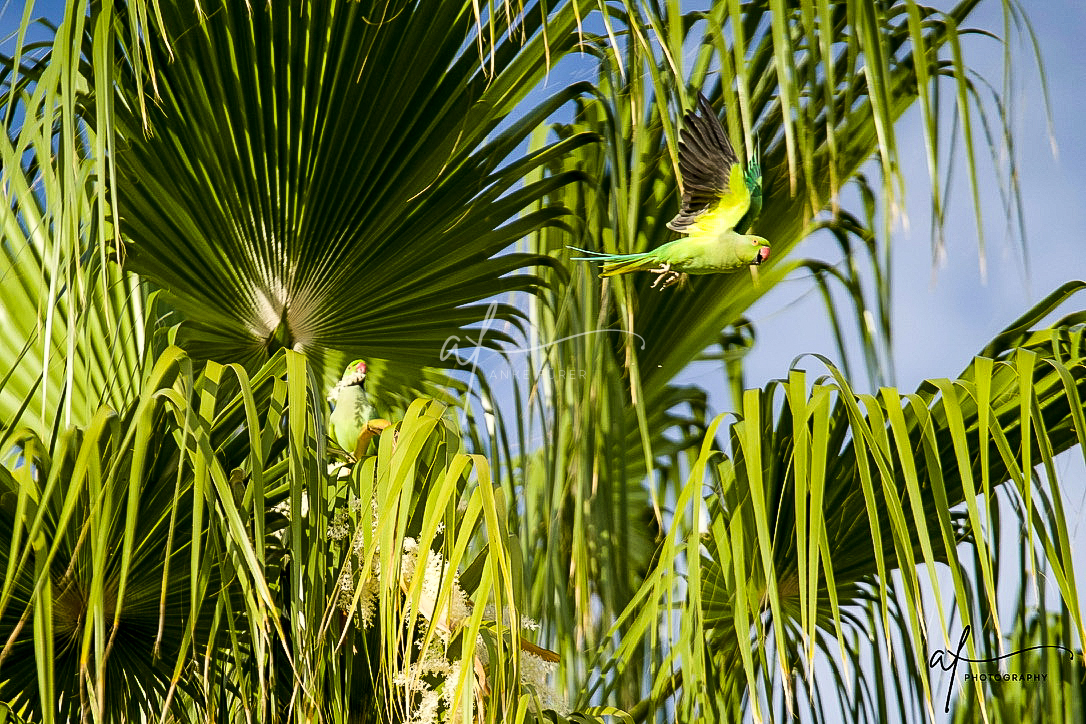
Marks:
<point>606,258</point>
<point>636,262</point>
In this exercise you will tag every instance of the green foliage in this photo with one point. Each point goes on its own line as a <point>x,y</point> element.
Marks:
<point>184,544</point>
<point>1043,646</point>
<point>823,493</point>
<point>211,209</point>
<point>309,172</point>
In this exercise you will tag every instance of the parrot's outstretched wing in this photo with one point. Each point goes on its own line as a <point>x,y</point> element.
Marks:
<point>712,177</point>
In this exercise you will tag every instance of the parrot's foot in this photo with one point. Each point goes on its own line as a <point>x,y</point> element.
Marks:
<point>666,277</point>
<point>372,429</point>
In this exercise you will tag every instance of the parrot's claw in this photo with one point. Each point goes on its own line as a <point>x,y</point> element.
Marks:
<point>372,429</point>
<point>665,277</point>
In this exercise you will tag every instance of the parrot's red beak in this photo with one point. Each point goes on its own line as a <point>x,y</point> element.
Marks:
<point>763,254</point>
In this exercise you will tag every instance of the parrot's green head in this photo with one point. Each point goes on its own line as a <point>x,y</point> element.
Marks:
<point>355,374</point>
<point>756,252</point>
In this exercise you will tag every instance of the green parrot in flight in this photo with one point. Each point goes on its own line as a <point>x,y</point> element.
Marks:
<point>353,422</point>
<point>720,200</point>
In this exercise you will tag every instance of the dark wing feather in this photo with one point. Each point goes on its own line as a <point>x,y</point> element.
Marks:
<point>706,157</point>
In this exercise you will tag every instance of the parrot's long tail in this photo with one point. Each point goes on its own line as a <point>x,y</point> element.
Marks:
<point>618,263</point>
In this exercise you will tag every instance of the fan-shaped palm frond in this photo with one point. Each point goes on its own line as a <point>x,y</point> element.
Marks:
<point>108,572</point>
<point>335,175</point>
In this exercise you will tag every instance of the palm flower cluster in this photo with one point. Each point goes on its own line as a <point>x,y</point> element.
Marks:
<point>429,682</point>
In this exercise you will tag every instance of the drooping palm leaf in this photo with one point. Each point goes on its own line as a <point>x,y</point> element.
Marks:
<point>98,586</point>
<point>829,504</point>
<point>78,328</point>
<point>609,352</point>
<point>1042,636</point>
<point>151,572</point>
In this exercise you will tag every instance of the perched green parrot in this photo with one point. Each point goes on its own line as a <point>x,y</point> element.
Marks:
<point>720,200</point>
<point>353,422</point>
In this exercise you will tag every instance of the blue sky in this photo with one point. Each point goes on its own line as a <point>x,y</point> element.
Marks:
<point>945,312</point>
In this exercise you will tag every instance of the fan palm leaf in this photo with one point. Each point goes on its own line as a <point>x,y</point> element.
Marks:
<point>334,175</point>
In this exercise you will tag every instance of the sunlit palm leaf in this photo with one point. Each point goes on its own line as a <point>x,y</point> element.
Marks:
<point>98,586</point>
<point>825,494</point>
<point>148,550</point>
<point>1060,695</point>
<point>76,325</point>
<point>618,365</point>
<point>330,175</point>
